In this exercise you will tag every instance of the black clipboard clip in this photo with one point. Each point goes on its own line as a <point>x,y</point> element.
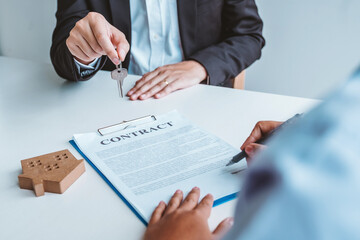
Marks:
<point>126,124</point>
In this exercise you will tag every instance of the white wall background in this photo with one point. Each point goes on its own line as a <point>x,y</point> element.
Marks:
<point>312,45</point>
<point>26,28</point>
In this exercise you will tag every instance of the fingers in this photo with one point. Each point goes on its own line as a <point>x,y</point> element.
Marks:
<point>78,53</point>
<point>139,83</point>
<point>260,130</point>
<point>157,214</point>
<point>151,82</point>
<point>166,79</point>
<point>118,40</point>
<point>80,48</point>
<point>103,35</point>
<point>253,148</point>
<point>147,84</point>
<point>223,228</point>
<point>205,205</point>
<point>174,202</point>
<point>191,200</point>
<point>88,35</point>
<point>93,37</point>
<point>154,90</point>
<point>87,49</point>
<point>158,87</point>
<point>255,135</point>
<point>172,87</point>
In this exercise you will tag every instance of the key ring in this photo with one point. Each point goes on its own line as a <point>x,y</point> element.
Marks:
<point>119,67</point>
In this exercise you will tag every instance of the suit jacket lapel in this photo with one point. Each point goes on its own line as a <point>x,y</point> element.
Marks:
<point>120,13</point>
<point>187,24</point>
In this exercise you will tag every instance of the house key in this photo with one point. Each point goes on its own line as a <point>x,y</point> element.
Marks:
<point>119,74</point>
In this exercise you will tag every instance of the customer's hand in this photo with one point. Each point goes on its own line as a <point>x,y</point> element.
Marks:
<point>185,219</point>
<point>260,130</point>
<point>93,37</point>
<point>167,79</point>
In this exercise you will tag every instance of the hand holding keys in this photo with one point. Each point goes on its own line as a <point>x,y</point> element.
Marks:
<point>119,74</point>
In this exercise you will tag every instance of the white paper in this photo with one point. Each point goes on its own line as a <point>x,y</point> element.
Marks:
<point>148,163</point>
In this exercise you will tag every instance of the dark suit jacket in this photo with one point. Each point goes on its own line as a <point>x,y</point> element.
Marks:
<point>225,36</point>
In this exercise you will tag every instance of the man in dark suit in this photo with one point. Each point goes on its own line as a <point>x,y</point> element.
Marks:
<point>217,40</point>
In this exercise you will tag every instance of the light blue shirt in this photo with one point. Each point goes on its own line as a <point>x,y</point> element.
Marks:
<point>155,37</point>
<point>306,185</point>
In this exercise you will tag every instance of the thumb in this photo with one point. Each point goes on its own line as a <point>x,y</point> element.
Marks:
<point>253,148</point>
<point>119,41</point>
<point>223,228</point>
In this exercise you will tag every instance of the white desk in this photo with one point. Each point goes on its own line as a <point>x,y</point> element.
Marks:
<point>39,113</point>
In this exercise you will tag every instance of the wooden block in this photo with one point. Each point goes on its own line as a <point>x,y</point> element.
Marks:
<point>53,172</point>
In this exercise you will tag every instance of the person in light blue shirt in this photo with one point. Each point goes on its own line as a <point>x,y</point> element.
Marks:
<point>304,185</point>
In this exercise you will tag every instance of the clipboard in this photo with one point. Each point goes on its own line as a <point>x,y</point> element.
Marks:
<point>126,124</point>
<point>72,142</point>
<point>123,126</point>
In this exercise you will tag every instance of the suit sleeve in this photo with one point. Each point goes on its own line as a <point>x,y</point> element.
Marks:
<point>240,46</point>
<point>68,13</point>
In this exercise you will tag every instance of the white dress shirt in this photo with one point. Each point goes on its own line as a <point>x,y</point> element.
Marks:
<point>155,37</point>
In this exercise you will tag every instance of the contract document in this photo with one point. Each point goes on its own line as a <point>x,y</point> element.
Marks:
<point>146,164</point>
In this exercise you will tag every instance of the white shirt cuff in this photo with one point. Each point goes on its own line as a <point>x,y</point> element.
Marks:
<point>83,67</point>
<point>90,66</point>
